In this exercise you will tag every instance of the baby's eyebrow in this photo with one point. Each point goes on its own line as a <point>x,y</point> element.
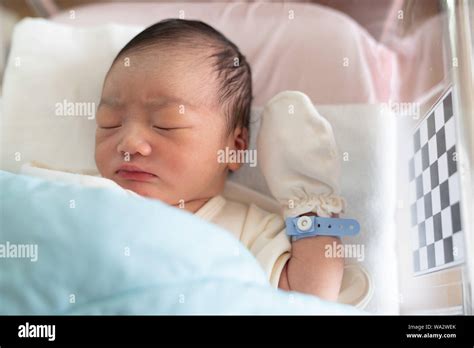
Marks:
<point>152,103</point>
<point>161,102</point>
<point>115,102</point>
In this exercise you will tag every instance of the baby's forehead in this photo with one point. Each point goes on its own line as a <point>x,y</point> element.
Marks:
<point>155,84</point>
<point>178,63</point>
<point>178,70</point>
<point>178,54</point>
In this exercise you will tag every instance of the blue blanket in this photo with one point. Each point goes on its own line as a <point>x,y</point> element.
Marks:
<point>70,249</point>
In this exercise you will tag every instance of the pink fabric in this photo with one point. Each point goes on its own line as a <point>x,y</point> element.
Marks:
<point>306,53</point>
<point>422,62</point>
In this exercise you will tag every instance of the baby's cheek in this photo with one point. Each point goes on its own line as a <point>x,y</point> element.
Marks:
<point>173,162</point>
<point>105,150</point>
<point>210,167</point>
<point>197,165</point>
<point>101,159</point>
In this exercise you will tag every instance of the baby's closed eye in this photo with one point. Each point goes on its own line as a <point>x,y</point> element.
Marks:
<point>169,128</point>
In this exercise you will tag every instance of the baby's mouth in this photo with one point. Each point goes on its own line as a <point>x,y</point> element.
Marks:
<point>132,172</point>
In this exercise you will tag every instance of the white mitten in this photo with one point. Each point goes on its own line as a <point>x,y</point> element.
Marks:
<point>298,156</point>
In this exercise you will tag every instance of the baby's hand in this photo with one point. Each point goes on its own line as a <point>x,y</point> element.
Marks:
<point>309,270</point>
<point>299,157</point>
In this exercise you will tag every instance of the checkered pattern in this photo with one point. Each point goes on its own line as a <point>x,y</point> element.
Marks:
<point>435,192</point>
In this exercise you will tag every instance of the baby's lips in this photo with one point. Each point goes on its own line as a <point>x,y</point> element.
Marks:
<point>136,175</point>
<point>133,168</point>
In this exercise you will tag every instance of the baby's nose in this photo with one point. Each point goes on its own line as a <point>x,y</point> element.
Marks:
<point>133,145</point>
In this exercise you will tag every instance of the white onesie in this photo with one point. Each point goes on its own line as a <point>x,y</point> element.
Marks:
<point>261,232</point>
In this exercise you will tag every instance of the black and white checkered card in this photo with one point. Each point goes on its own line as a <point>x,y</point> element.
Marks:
<point>438,240</point>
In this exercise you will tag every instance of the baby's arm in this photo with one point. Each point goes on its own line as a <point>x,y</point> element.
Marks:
<point>301,165</point>
<point>310,271</point>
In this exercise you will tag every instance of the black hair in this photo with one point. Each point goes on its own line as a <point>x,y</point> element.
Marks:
<point>233,71</point>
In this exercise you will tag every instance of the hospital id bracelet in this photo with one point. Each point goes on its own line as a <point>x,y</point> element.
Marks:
<point>309,226</point>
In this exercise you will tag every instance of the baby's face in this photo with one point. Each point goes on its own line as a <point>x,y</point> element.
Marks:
<point>159,115</point>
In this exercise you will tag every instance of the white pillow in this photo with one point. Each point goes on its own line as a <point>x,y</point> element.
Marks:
<point>44,74</point>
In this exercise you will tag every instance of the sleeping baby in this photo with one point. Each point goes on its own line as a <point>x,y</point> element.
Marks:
<point>176,96</point>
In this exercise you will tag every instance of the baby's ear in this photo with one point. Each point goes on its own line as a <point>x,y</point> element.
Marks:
<point>241,138</point>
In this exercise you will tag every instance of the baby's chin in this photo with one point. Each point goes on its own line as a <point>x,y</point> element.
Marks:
<point>145,189</point>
